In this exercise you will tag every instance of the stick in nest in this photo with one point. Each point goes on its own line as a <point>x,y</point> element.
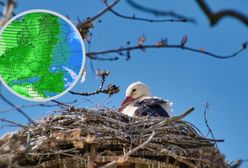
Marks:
<point>124,158</point>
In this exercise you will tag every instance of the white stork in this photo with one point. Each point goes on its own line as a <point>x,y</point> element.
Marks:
<point>139,102</point>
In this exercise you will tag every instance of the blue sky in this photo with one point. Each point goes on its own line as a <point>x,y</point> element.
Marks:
<point>186,78</point>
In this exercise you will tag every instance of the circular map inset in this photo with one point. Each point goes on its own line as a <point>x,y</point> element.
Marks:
<point>42,55</point>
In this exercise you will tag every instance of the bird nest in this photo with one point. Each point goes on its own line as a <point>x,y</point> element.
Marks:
<point>104,138</point>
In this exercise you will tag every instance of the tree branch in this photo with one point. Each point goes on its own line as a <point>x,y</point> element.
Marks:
<point>215,17</point>
<point>144,19</point>
<point>85,26</point>
<point>11,122</point>
<point>7,11</point>
<point>110,90</point>
<point>94,55</point>
<point>60,103</point>
<point>158,12</point>
<point>34,105</point>
<point>98,15</point>
<point>17,108</point>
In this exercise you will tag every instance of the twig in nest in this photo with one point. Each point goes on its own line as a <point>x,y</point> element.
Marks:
<point>177,118</point>
<point>158,12</point>
<point>144,19</point>
<point>110,90</point>
<point>187,112</point>
<point>215,17</point>
<point>236,163</point>
<point>52,153</point>
<point>94,55</point>
<point>124,158</point>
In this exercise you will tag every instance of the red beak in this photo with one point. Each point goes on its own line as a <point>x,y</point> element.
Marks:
<point>125,102</point>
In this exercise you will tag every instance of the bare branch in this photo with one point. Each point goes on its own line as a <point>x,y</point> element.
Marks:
<point>7,11</point>
<point>17,109</point>
<point>124,158</point>
<point>206,122</point>
<point>110,90</point>
<point>215,17</point>
<point>104,59</point>
<point>94,55</point>
<point>98,15</point>
<point>33,105</point>
<point>25,106</point>
<point>60,103</point>
<point>144,19</point>
<point>86,25</point>
<point>11,122</point>
<point>158,12</point>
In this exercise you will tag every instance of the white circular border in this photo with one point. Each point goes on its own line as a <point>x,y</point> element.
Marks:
<point>83,51</point>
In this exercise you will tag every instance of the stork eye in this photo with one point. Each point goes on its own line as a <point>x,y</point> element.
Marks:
<point>133,90</point>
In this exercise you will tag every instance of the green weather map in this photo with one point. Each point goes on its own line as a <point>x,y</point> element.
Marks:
<point>41,55</point>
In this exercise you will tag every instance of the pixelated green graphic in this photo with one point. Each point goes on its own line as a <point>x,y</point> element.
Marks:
<point>40,55</point>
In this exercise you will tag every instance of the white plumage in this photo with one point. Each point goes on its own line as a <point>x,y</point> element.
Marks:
<point>139,102</point>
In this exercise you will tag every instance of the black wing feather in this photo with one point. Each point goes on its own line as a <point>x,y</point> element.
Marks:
<point>150,107</point>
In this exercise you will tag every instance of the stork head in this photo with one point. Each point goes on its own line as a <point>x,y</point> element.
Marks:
<point>134,91</point>
<point>137,90</point>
